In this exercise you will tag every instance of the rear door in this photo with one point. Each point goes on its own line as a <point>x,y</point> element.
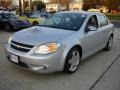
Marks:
<point>104,27</point>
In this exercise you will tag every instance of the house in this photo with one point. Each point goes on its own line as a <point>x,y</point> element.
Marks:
<point>53,7</point>
<point>75,6</point>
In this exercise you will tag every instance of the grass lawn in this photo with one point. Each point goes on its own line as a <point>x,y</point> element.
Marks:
<point>113,16</point>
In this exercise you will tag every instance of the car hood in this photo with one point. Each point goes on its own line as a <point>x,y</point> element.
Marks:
<point>39,35</point>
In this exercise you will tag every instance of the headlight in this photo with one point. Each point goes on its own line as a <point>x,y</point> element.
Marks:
<point>48,48</point>
<point>9,40</point>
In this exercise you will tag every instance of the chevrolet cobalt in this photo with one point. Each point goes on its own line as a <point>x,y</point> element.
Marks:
<point>61,42</point>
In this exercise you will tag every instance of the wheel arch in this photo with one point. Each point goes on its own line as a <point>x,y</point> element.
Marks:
<point>75,46</point>
<point>65,53</point>
<point>79,47</point>
<point>112,35</point>
<point>35,22</point>
<point>80,51</point>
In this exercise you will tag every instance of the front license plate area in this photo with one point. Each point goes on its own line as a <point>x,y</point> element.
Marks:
<point>14,58</point>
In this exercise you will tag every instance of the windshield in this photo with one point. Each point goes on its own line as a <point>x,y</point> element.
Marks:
<point>69,21</point>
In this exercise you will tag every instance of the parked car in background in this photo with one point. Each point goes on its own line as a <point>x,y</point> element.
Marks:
<point>4,10</point>
<point>1,10</point>
<point>33,18</point>
<point>45,14</point>
<point>61,42</point>
<point>9,22</point>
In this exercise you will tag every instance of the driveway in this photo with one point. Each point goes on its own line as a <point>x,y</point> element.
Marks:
<point>87,77</point>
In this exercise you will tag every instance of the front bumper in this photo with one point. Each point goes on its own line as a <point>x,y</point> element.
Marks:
<point>38,63</point>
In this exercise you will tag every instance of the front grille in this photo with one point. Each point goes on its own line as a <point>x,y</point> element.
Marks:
<point>20,46</point>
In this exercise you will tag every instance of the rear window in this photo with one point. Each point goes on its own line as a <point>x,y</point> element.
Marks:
<point>103,20</point>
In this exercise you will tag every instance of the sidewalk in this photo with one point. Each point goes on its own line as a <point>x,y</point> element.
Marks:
<point>111,79</point>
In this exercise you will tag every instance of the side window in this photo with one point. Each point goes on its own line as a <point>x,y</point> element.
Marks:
<point>103,20</point>
<point>92,21</point>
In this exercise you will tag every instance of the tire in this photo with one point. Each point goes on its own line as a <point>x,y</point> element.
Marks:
<point>72,61</point>
<point>35,23</point>
<point>7,27</point>
<point>109,44</point>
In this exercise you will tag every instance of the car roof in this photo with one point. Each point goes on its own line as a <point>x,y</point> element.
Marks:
<point>81,12</point>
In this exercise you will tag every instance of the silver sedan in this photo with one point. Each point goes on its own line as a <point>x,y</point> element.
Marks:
<point>61,42</point>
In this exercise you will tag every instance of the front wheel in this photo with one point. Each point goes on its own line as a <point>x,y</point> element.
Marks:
<point>72,61</point>
<point>109,44</point>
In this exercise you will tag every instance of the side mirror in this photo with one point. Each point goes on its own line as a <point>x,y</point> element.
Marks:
<point>90,28</point>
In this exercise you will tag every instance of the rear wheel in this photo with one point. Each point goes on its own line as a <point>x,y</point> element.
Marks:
<point>72,61</point>
<point>109,44</point>
<point>35,23</point>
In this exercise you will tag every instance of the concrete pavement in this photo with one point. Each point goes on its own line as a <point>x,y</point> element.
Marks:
<point>111,79</point>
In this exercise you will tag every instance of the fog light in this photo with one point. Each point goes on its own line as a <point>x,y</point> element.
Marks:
<point>38,68</point>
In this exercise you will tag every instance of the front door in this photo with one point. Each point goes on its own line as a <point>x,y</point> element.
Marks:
<point>91,40</point>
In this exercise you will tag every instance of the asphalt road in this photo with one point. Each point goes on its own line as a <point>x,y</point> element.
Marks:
<point>92,72</point>
<point>116,23</point>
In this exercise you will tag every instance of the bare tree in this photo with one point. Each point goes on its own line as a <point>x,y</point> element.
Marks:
<point>111,4</point>
<point>6,4</point>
